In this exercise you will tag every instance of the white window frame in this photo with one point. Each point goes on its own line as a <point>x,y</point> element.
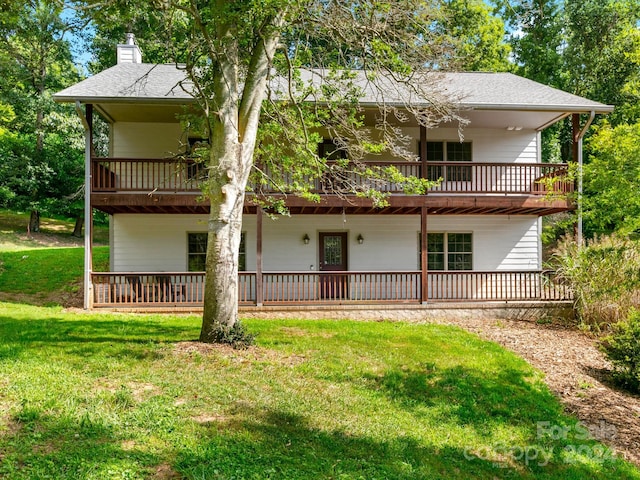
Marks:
<point>242,254</point>
<point>446,251</point>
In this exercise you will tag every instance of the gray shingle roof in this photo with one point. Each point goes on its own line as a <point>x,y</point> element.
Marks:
<point>147,83</point>
<point>506,90</point>
<point>131,82</point>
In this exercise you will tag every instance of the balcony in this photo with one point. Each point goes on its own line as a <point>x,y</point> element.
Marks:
<point>186,289</point>
<point>170,185</point>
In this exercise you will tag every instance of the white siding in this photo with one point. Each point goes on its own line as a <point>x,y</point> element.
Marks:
<point>152,242</point>
<point>390,241</point>
<point>488,145</point>
<point>146,140</point>
<point>499,242</point>
<point>159,242</point>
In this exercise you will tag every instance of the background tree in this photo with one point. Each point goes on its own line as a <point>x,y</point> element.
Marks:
<point>40,167</point>
<point>478,36</point>
<point>590,48</point>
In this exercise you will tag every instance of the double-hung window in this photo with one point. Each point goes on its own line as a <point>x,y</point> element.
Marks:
<point>449,251</point>
<point>197,252</point>
<point>450,152</point>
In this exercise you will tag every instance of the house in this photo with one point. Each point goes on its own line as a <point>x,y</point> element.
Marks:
<point>474,237</point>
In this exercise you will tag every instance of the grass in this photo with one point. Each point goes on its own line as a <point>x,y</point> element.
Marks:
<point>115,396</point>
<point>14,237</point>
<point>34,272</point>
<point>100,396</point>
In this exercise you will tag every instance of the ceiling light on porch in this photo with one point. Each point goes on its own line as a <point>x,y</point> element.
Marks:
<point>513,128</point>
<point>306,239</point>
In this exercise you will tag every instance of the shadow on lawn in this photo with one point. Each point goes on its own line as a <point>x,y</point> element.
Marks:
<point>39,445</point>
<point>251,443</point>
<point>276,444</point>
<point>84,336</point>
<point>470,395</point>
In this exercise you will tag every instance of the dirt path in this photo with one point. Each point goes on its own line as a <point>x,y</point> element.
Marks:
<point>577,372</point>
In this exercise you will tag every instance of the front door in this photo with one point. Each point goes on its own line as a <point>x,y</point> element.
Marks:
<point>333,258</point>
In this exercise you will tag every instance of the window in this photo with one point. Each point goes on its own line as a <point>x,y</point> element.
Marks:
<point>459,251</point>
<point>452,152</point>
<point>329,150</point>
<point>197,252</point>
<point>448,251</point>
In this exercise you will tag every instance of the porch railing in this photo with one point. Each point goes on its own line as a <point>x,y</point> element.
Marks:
<point>171,175</point>
<point>175,289</point>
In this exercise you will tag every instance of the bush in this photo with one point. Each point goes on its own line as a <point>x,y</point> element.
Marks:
<point>604,276</point>
<point>237,336</point>
<point>622,348</point>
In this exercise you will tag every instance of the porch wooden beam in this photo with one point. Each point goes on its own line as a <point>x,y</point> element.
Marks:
<point>437,204</point>
<point>423,151</point>
<point>423,256</point>
<point>259,299</point>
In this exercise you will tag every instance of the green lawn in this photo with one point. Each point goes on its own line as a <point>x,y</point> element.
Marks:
<point>13,232</point>
<point>34,272</point>
<point>97,396</point>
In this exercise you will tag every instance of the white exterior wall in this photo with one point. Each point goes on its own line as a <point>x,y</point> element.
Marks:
<point>146,140</point>
<point>159,242</point>
<point>488,145</point>
<point>158,140</point>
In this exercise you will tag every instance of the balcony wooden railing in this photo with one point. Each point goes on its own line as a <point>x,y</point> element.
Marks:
<point>171,175</point>
<point>180,289</point>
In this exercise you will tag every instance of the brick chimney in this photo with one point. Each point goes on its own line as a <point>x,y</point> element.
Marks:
<point>129,52</point>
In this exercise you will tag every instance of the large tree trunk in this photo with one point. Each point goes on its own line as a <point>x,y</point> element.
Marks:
<point>233,127</point>
<point>226,195</point>
<point>227,182</point>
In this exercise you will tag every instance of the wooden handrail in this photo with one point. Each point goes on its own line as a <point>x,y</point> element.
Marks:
<point>172,175</point>
<point>148,289</point>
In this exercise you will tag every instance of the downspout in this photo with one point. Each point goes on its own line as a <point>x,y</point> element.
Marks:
<point>592,115</point>
<point>87,208</point>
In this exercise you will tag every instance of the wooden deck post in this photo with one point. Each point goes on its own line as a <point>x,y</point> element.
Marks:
<point>423,256</point>
<point>88,209</point>
<point>259,216</point>
<point>423,151</point>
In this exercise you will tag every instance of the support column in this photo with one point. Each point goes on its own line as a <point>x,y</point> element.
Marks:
<point>423,151</point>
<point>575,136</point>
<point>87,120</point>
<point>259,216</point>
<point>423,256</point>
<point>578,135</point>
<point>575,140</point>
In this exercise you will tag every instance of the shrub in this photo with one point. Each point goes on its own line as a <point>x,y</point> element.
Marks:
<point>622,348</point>
<point>604,276</point>
<point>237,336</point>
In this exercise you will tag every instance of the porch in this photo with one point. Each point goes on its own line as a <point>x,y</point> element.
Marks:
<point>185,289</point>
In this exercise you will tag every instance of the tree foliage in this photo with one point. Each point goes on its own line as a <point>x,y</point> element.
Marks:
<point>612,180</point>
<point>39,141</point>
<point>590,48</point>
<point>478,36</point>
